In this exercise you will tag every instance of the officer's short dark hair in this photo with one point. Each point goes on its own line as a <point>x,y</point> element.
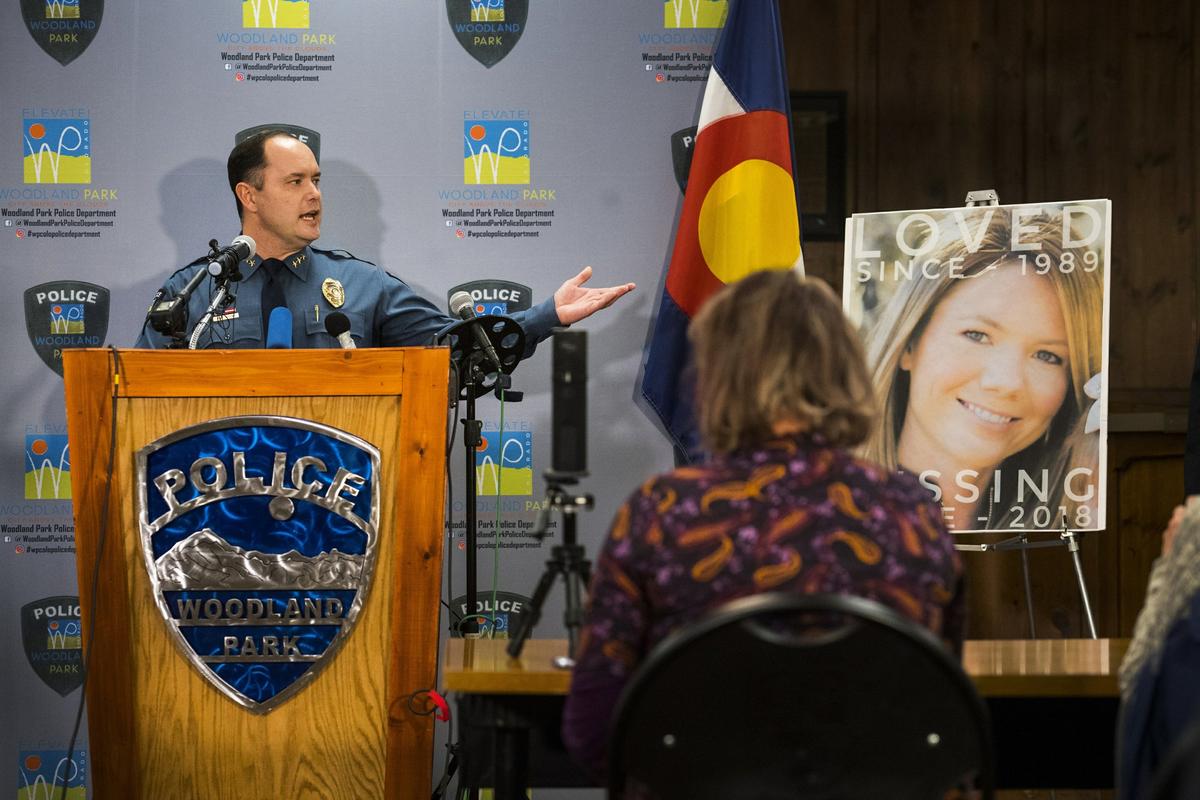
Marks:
<point>246,162</point>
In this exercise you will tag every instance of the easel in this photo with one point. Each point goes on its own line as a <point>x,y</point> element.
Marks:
<point>1021,542</point>
<point>1067,538</point>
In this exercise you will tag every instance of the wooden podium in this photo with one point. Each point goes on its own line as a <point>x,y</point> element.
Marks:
<point>158,729</point>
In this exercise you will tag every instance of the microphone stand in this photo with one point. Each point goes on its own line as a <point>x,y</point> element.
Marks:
<point>508,340</point>
<point>472,438</point>
<point>218,298</point>
<point>170,317</point>
<point>224,275</point>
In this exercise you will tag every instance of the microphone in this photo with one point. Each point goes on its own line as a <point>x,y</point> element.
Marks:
<point>169,316</point>
<point>463,307</point>
<point>337,325</point>
<point>227,258</point>
<point>279,329</point>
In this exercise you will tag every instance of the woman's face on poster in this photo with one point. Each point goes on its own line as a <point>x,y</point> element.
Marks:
<point>988,374</point>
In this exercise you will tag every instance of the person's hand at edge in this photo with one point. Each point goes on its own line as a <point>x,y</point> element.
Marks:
<point>1168,537</point>
<point>574,302</point>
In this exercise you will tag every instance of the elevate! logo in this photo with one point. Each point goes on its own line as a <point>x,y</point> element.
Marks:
<point>50,631</point>
<point>487,10</point>
<point>57,150</point>
<point>694,13</point>
<point>44,773</point>
<point>47,467</point>
<point>66,318</point>
<point>62,28</point>
<point>496,151</point>
<point>504,468</point>
<point>274,13</point>
<point>62,9</point>
<point>487,29</point>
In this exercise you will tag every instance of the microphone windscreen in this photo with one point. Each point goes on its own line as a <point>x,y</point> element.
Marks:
<point>246,244</point>
<point>336,324</point>
<point>460,302</point>
<point>279,329</point>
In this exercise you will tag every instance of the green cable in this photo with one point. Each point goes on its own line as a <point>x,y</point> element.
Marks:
<point>496,542</point>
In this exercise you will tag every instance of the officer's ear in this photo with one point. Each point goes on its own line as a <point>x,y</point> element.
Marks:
<point>245,193</point>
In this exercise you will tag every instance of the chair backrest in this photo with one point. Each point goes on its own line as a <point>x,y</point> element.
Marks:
<point>791,696</point>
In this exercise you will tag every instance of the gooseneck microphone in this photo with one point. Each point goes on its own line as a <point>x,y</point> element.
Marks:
<point>337,325</point>
<point>279,329</point>
<point>463,307</point>
<point>226,259</point>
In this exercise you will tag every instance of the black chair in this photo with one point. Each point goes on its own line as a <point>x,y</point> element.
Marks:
<point>1179,776</point>
<point>786,696</point>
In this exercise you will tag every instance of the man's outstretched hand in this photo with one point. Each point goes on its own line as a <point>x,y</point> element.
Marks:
<point>573,301</point>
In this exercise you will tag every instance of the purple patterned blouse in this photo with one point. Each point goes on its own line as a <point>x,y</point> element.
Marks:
<point>792,515</point>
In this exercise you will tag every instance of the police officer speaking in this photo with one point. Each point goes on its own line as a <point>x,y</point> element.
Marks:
<point>276,181</point>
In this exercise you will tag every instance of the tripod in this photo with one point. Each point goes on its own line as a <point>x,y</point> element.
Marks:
<point>567,561</point>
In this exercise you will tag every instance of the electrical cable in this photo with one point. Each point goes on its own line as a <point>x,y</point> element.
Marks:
<point>496,538</point>
<point>451,437</point>
<point>455,618</point>
<point>449,764</point>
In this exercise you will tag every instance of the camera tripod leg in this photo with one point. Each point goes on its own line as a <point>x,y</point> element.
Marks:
<point>567,559</point>
<point>534,613</point>
<point>573,614</point>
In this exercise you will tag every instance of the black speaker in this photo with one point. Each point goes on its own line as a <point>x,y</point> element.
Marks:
<point>569,403</point>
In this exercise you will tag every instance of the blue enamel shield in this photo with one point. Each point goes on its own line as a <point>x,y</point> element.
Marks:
<point>259,536</point>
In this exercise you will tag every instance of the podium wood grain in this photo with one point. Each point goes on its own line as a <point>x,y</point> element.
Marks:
<point>158,729</point>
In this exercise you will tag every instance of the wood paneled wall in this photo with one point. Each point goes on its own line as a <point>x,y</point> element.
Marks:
<point>1041,100</point>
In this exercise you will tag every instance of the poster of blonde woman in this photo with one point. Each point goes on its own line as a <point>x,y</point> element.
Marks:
<point>986,333</point>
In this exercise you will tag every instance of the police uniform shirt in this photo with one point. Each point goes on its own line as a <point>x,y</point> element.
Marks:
<point>383,310</point>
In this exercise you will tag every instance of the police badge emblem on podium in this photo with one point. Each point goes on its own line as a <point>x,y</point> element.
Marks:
<point>259,534</point>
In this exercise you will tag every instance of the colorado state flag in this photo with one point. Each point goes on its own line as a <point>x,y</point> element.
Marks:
<point>739,213</point>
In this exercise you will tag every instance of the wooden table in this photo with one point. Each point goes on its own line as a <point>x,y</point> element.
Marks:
<point>999,668</point>
<point>1053,705</point>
